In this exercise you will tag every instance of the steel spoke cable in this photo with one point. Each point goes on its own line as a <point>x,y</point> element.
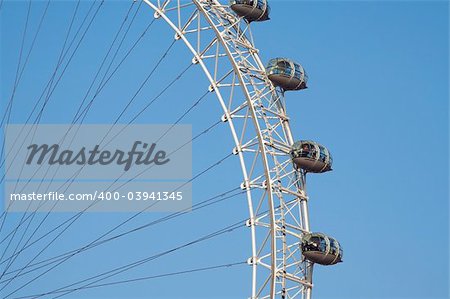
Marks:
<point>60,59</point>
<point>62,55</point>
<point>7,115</point>
<point>116,68</point>
<point>195,104</point>
<point>38,169</point>
<point>50,93</point>
<point>145,278</point>
<point>118,226</point>
<point>46,101</point>
<point>79,214</point>
<point>83,114</point>
<point>144,82</point>
<point>4,215</point>
<point>50,87</point>
<point>205,131</point>
<point>17,81</point>
<point>41,21</point>
<point>127,267</point>
<point>126,17</point>
<point>38,30</point>
<point>107,55</point>
<point>141,86</point>
<point>113,59</point>
<point>151,102</point>
<point>170,274</point>
<point>24,35</point>
<point>142,110</point>
<point>124,268</point>
<point>59,62</point>
<point>201,205</point>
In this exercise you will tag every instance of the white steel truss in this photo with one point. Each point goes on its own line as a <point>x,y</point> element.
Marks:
<point>222,45</point>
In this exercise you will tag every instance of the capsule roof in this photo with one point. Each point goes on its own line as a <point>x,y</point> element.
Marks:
<point>251,10</point>
<point>286,74</point>
<point>321,249</point>
<point>311,156</point>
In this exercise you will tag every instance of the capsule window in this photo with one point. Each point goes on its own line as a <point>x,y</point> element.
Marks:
<point>313,244</point>
<point>323,155</point>
<point>312,153</point>
<point>334,246</point>
<point>323,245</point>
<point>245,2</point>
<point>282,66</point>
<point>305,150</point>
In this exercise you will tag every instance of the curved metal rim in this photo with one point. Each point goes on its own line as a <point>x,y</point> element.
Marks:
<point>286,127</point>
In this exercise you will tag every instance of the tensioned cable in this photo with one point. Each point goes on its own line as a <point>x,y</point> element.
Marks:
<point>118,226</point>
<point>140,37</point>
<point>80,213</point>
<point>50,93</point>
<point>140,112</point>
<point>117,67</point>
<point>206,203</point>
<point>141,86</point>
<point>135,264</point>
<point>145,278</point>
<point>7,114</point>
<point>144,82</point>
<point>25,64</point>
<point>183,145</point>
<point>138,263</point>
<point>152,101</point>
<point>203,269</point>
<point>67,35</point>
<point>104,60</point>
<point>102,81</point>
<point>86,109</point>
<point>113,58</point>
<point>63,53</point>
<point>59,61</point>
<point>24,35</point>
<point>84,22</point>
<point>4,215</point>
<point>41,21</point>
<point>50,82</point>
<point>46,101</point>
<point>38,30</point>
<point>129,51</point>
<point>75,217</point>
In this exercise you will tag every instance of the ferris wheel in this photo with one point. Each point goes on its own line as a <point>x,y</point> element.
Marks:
<point>274,165</point>
<point>219,37</point>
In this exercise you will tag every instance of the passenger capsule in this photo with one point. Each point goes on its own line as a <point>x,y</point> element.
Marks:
<point>286,74</point>
<point>251,10</point>
<point>321,249</point>
<point>311,156</point>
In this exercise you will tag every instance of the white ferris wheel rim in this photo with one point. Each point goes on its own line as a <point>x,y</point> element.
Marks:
<point>305,285</point>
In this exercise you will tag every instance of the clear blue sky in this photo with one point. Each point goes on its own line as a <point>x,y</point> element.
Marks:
<point>377,98</point>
